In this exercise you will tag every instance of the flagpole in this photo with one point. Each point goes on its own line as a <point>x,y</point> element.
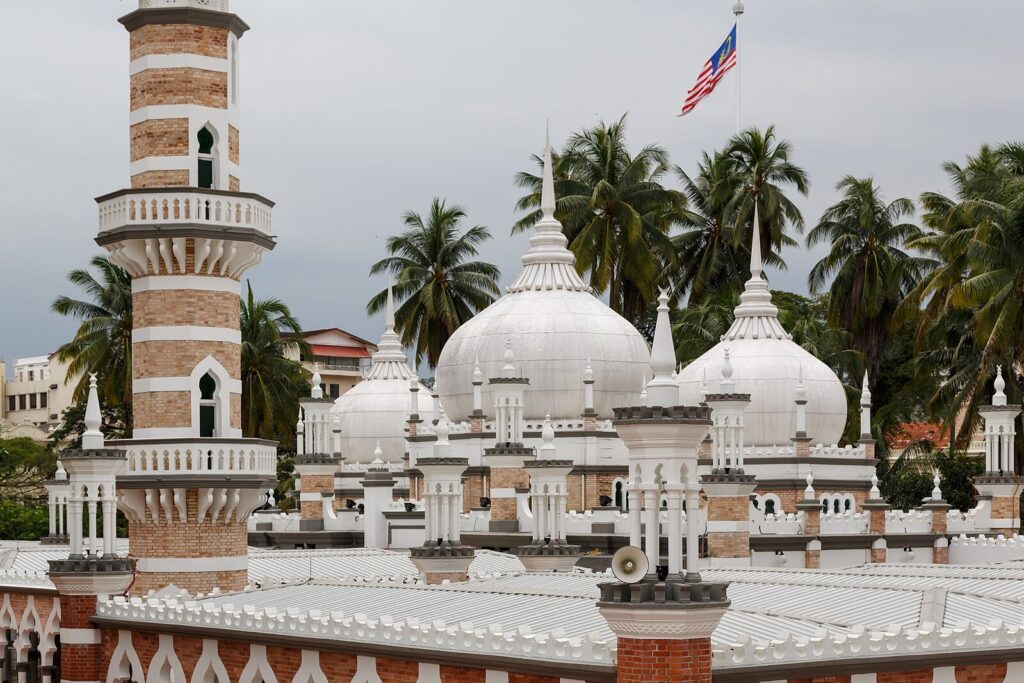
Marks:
<point>737,10</point>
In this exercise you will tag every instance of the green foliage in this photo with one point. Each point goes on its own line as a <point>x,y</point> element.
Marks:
<point>24,465</point>
<point>438,287</point>
<point>114,424</point>
<point>271,381</point>
<point>23,521</point>
<point>103,342</point>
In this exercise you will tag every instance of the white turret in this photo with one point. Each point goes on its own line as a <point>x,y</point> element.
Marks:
<point>92,438</point>
<point>662,389</point>
<point>865,409</point>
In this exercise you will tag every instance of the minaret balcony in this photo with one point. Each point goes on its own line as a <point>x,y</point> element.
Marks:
<point>181,461</point>
<point>168,208</point>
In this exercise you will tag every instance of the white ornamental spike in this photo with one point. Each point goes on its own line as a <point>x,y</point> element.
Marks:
<point>588,371</point>
<point>874,493</point>
<point>999,398</point>
<point>936,491</point>
<point>809,491</point>
<point>547,190</point>
<point>442,430</point>
<point>61,474</point>
<point>865,392</point>
<point>727,386</point>
<point>547,435</point>
<point>378,455</point>
<point>93,437</point>
<point>801,388</point>
<point>478,377</point>
<point>316,391</point>
<point>643,390</point>
<point>509,369</point>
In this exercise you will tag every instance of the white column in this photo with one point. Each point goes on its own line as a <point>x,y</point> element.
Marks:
<point>651,515</point>
<point>633,496</point>
<point>62,508</point>
<point>428,502</point>
<point>444,516</point>
<point>692,537</point>
<point>53,514</point>
<point>538,515</point>
<point>560,516</point>
<point>541,522</point>
<point>75,519</point>
<point>454,508</point>
<point>93,541</point>
<point>109,528</point>
<point>675,531</point>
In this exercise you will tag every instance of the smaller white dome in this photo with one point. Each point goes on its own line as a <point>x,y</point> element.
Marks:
<point>377,409</point>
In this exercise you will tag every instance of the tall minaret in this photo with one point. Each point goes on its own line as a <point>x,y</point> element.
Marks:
<point>186,234</point>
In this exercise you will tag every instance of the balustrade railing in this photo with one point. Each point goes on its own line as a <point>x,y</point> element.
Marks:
<point>194,457</point>
<point>185,206</point>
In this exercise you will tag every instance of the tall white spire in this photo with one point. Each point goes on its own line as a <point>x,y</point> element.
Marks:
<point>548,263</point>
<point>727,386</point>
<point>756,316</point>
<point>390,360</point>
<point>316,391</point>
<point>93,437</point>
<point>662,389</point>
<point>999,397</point>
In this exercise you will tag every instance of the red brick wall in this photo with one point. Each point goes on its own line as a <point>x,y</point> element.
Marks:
<point>981,673</point>
<point>918,676</point>
<point>179,39</point>
<point>664,661</point>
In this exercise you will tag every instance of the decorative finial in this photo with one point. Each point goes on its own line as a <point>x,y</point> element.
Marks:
<point>756,263</point>
<point>809,491</point>
<point>801,388</point>
<point>643,390</point>
<point>727,385</point>
<point>999,398</point>
<point>547,190</point>
<point>378,455</point>
<point>738,9</point>
<point>547,435</point>
<point>509,369</point>
<point>588,371</point>
<point>93,437</point>
<point>704,385</point>
<point>389,314</point>
<point>662,390</point>
<point>936,491</point>
<point>874,493</point>
<point>865,392</point>
<point>299,426</point>
<point>478,377</point>
<point>442,430</point>
<point>316,391</point>
<point>61,474</point>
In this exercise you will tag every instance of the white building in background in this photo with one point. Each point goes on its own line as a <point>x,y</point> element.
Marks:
<point>33,400</point>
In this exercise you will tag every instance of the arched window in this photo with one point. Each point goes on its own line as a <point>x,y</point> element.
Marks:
<point>206,170</point>
<point>207,406</point>
<point>769,506</point>
<point>620,495</point>
<point>824,506</point>
<point>835,505</point>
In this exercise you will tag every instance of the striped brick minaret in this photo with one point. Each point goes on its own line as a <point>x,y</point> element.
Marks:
<point>186,234</point>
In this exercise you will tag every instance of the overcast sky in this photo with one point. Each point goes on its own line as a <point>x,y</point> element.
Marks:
<point>354,112</point>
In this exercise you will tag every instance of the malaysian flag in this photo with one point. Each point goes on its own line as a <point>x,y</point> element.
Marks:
<point>714,69</point>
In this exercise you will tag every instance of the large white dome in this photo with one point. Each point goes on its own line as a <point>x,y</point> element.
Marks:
<point>555,325</point>
<point>769,366</point>
<point>377,408</point>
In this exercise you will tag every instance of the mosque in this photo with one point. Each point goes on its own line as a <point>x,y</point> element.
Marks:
<point>569,507</point>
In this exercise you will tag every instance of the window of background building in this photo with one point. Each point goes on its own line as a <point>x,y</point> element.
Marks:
<point>32,403</point>
<point>42,400</point>
<point>21,402</point>
<point>31,375</point>
<point>335,391</point>
<point>12,403</point>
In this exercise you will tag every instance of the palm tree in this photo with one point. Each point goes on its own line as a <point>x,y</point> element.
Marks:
<point>614,211</point>
<point>701,325</point>
<point>870,272</point>
<point>438,287</point>
<point>103,342</point>
<point>709,255</point>
<point>763,163</point>
<point>271,380</point>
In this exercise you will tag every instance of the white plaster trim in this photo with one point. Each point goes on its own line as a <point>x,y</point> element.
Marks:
<point>186,333</point>
<point>184,111</point>
<point>208,283</point>
<point>153,384</point>
<point>210,661</point>
<point>177,60</point>
<point>193,565</point>
<point>856,678</point>
<point>165,655</point>
<point>366,670</point>
<point>80,636</point>
<point>945,674</point>
<point>257,668</point>
<point>1014,672</point>
<point>496,677</point>
<point>222,395</point>
<point>160,163</point>
<point>429,673</point>
<point>662,624</point>
<point>163,433</point>
<point>502,493</point>
<point>310,672</point>
<point>307,496</point>
<point>723,526</point>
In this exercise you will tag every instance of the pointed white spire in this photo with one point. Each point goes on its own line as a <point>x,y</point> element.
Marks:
<point>727,386</point>
<point>865,409</point>
<point>588,371</point>
<point>548,264</point>
<point>801,388</point>
<point>756,316</point>
<point>643,390</point>
<point>316,391</point>
<point>443,428</point>
<point>547,436</point>
<point>93,437</point>
<point>874,493</point>
<point>378,455</point>
<point>478,377</point>
<point>662,389</point>
<point>61,474</point>
<point>865,392</point>
<point>999,397</point>
<point>704,385</point>
<point>936,490</point>
<point>390,361</point>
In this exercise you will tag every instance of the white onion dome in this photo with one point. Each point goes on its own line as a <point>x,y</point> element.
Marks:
<point>556,325</point>
<point>768,365</point>
<point>375,411</point>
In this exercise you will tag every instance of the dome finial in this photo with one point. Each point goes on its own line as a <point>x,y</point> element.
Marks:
<point>390,361</point>
<point>999,398</point>
<point>93,437</point>
<point>547,189</point>
<point>756,299</point>
<point>662,390</point>
<point>389,309</point>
